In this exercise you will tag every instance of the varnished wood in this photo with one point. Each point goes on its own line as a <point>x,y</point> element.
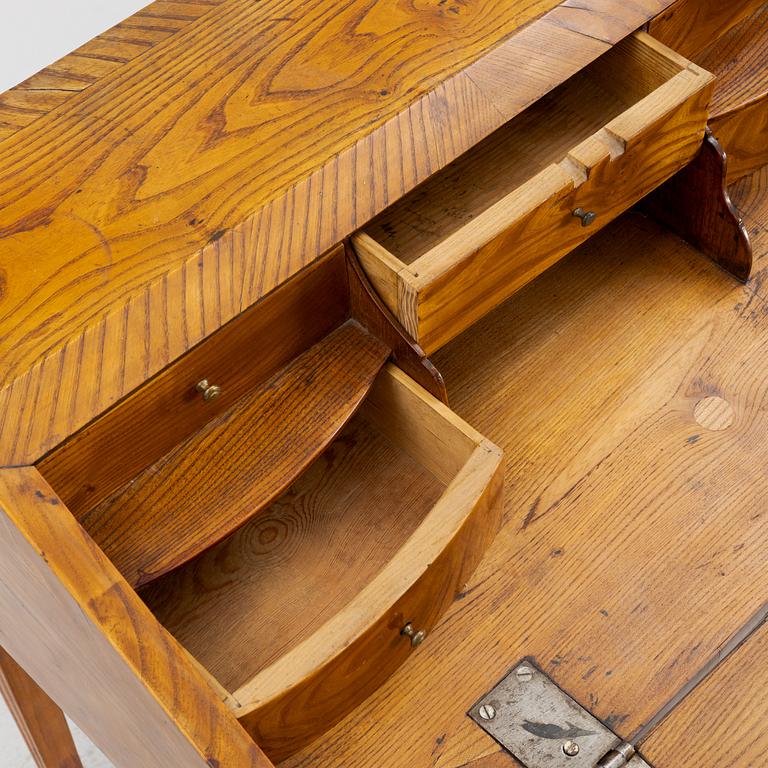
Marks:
<point>495,760</point>
<point>691,26</point>
<point>739,114</point>
<point>696,204</point>
<point>77,627</point>
<point>299,614</point>
<point>41,722</point>
<point>229,471</point>
<point>104,55</point>
<point>367,308</point>
<point>168,409</point>
<point>722,722</point>
<point>634,539</point>
<point>157,197</point>
<point>445,255</point>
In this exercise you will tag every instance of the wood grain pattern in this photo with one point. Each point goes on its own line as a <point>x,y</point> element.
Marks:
<point>503,213</point>
<point>383,530</point>
<point>750,197</point>
<point>83,634</point>
<point>158,198</point>
<point>739,117</point>
<point>291,569</point>
<point>215,481</point>
<point>367,308</point>
<point>41,722</point>
<point>86,66</point>
<point>245,353</point>
<point>495,760</point>
<point>722,722</point>
<point>634,540</point>
<point>690,26</point>
<point>695,204</point>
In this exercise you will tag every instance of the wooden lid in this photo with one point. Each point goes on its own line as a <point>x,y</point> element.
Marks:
<point>219,148</point>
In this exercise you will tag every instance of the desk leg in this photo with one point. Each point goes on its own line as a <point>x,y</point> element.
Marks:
<point>41,722</point>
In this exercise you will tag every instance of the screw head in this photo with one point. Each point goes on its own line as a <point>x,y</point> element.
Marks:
<point>571,748</point>
<point>487,712</point>
<point>524,674</point>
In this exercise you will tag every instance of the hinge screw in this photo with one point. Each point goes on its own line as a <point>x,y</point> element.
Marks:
<point>571,748</point>
<point>487,712</point>
<point>524,674</point>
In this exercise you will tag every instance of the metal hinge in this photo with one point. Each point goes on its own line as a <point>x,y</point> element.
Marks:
<point>543,727</point>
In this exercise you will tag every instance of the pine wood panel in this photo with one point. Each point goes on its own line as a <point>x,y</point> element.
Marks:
<point>199,165</point>
<point>41,722</point>
<point>690,26</point>
<point>215,481</point>
<point>739,116</point>
<point>722,722</point>
<point>83,634</point>
<point>105,54</point>
<point>739,59</point>
<point>634,545</point>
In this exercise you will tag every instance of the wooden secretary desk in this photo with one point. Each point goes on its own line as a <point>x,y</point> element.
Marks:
<point>248,249</point>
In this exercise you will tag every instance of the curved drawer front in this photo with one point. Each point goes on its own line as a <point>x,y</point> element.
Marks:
<point>478,231</point>
<point>307,609</point>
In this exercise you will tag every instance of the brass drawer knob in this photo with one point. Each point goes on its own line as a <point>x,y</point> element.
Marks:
<point>417,638</point>
<point>587,217</point>
<point>209,391</point>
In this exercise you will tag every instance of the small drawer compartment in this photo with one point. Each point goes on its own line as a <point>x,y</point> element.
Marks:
<point>480,229</point>
<point>309,607</point>
<point>294,509</point>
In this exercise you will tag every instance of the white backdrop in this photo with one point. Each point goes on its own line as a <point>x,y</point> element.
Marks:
<point>34,34</point>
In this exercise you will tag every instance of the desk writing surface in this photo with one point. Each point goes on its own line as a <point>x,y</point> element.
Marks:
<point>164,193</point>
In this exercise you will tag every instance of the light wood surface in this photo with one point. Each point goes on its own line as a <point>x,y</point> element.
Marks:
<point>299,614</point>
<point>215,481</point>
<point>158,198</point>
<point>77,627</point>
<point>41,722</point>
<point>691,26</point>
<point>722,722</point>
<point>739,115</point>
<point>633,547</point>
<point>503,213</point>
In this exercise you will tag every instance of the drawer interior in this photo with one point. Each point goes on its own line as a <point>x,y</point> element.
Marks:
<point>319,564</point>
<point>542,135</point>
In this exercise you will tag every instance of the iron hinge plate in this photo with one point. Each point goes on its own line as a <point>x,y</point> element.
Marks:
<point>535,720</point>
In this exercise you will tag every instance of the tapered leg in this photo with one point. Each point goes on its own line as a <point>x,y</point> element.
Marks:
<point>41,722</point>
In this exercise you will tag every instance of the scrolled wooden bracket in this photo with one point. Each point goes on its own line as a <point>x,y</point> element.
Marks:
<point>695,204</point>
<point>368,309</point>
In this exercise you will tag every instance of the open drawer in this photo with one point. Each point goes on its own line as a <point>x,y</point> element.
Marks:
<point>298,531</point>
<point>477,231</point>
<point>308,608</point>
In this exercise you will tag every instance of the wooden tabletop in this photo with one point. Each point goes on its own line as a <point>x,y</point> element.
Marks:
<point>173,171</point>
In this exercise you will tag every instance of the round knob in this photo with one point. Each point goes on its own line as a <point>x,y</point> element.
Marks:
<point>209,391</point>
<point>417,638</point>
<point>587,217</point>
